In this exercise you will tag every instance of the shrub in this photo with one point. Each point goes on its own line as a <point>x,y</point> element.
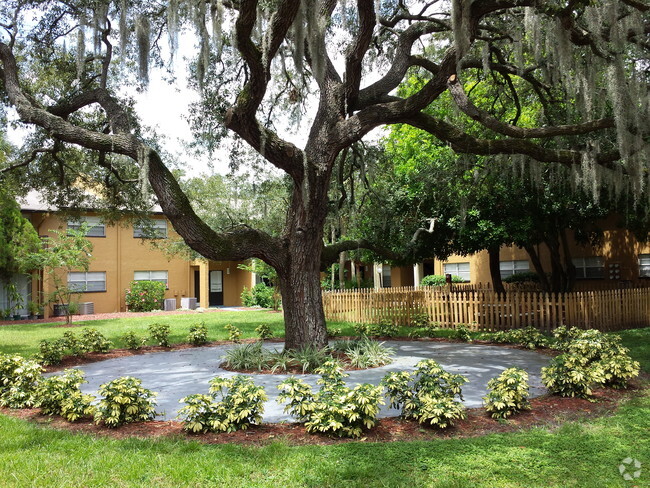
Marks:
<point>198,334</point>
<point>60,395</point>
<point>366,353</point>
<point>19,378</point>
<point>145,296</point>
<point>385,328</point>
<point>571,375</point>
<point>461,333</point>
<point>264,331</point>
<point>72,343</point>
<point>234,333</point>
<point>439,280</point>
<point>50,352</point>
<point>260,295</point>
<point>617,368</point>
<point>420,319</point>
<point>310,358</point>
<point>246,357</point>
<point>334,331</point>
<point>428,394</point>
<point>528,337</point>
<point>125,401</point>
<point>335,408</point>
<point>241,404</point>
<point>94,341</point>
<point>508,393</point>
<point>526,277</point>
<point>159,333</point>
<point>132,340</point>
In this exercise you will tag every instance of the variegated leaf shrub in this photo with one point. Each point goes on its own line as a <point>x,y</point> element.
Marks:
<point>125,400</point>
<point>508,393</point>
<point>336,408</point>
<point>427,395</point>
<point>233,404</point>
<point>19,378</point>
<point>60,395</point>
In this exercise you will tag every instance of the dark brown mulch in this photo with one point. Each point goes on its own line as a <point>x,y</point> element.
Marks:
<point>546,411</point>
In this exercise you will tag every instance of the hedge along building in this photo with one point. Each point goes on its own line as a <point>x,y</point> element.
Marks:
<point>121,254</point>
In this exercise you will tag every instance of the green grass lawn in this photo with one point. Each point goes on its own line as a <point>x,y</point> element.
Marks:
<point>583,453</point>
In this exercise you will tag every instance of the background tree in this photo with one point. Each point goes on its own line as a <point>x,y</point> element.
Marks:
<point>344,60</point>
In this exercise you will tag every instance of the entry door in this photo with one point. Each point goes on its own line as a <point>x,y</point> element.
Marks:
<point>216,288</point>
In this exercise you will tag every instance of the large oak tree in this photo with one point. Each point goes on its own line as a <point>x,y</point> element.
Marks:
<point>256,60</point>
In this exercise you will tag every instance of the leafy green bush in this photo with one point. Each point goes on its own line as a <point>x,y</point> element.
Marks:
<point>334,331</point>
<point>50,352</point>
<point>439,280</point>
<point>94,341</point>
<point>385,328</point>
<point>125,401</point>
<point>618,368</point>
<point>264,331</point>
<point>420,319</point>
<point>145,296</point>
<point>508,393</point>
<point>198,334</point>
<point>528,337</point>
<point>335,408</point>
<point>71,342</point>
<point>19,378</point>
<point>159,333</point>
<point>234,333</point>
<point>260,295</point>
<point>241,404</point>
<point>60,395</point>
<point>132,340</point>
<point>526,277</point>
<point>461,333</point>
<point>428,394</point>
<point>571,375</point>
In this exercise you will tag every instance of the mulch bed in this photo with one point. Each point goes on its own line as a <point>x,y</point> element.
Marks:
<point>547,411</point>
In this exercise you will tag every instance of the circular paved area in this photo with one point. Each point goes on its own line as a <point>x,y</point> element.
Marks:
<point>176,374</point>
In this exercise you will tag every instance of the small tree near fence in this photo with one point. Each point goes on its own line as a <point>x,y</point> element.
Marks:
<point>145,296</point>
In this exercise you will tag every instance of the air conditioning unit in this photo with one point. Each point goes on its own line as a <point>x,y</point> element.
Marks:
<point>188,302</point>
<point>170,304</point>
<point>87,308</point>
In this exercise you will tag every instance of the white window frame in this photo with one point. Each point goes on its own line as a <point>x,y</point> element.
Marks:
<point>589,268</point>
<point>454,269</point>
<point>644,265</point>
<point>149,276</point>
<point>79,280</point>
<point>96,228</point>
<point>509,268</point>
<point>158,226</point>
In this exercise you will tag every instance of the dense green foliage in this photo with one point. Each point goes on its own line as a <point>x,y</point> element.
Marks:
<point>335,409</point>
<point>234,333</point>
<point>60,395</point>
<point>508,393</point>
<point>18,238</point>
<point>159,334</point>
<point>427,395</point>
<point>123,401</point>
<point>19,378</point>
<point>439,280</point>
<point>264,331</point>
<point>528,337</point>
<point>145,296</point>
<point>132,341</point>
<point>198,334</point>
<point>234,403</point>
<point>260,295</point>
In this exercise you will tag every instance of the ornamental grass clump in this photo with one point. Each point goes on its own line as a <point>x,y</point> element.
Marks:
<point>19,378</point>
<point>508,393</point>
<point>335,409</point>
<point>248,357</point>
<point>60,395</point>
<point>428,394</point>
<point>233,404</point>
<point>365,353</point>
<point>125,401</point>
<point>198,334</point>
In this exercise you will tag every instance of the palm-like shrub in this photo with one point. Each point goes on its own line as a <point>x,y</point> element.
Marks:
<point>508,393</point>
<point>125,401</point>
<point>19,378</point>
<point>198,334</point>
<point>60,395</point>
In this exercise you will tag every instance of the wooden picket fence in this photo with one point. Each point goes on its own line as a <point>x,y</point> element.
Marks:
<point>485,310</point>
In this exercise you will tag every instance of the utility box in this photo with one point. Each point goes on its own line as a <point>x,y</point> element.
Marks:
<point>87,308</point>
<point>170,304</point>
<point>188,302</point>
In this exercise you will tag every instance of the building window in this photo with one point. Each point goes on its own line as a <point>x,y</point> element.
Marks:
<point>458,269</point>
<point>96,227</point>
<point>644,265</point>
<point>509,268</point>
<point>587,268</point>
<point>87,281</point>
<point>385,276</point>
<point>151,276</point>
<point>153,229</point>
